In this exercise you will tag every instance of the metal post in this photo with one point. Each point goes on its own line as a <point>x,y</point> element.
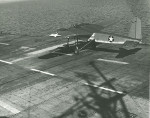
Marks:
<point>135,27</point>
<point>76,47</point>
<point>68,42</point>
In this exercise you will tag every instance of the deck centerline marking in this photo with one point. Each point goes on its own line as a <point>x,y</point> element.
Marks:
<point>9,108</point>
<point>47,73</point>
<point>4,44</point>
<point>23,58</point>
<point>104,88</point>
<point>112,61</point>
<point>6,62</point>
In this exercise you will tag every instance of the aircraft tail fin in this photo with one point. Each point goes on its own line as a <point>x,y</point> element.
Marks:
<point>135,29</point>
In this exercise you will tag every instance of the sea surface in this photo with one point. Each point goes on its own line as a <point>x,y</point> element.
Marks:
<point>41,17</point>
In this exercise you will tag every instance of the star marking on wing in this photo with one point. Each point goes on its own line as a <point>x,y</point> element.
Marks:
<point>110,38</point>
<point>55,35</point>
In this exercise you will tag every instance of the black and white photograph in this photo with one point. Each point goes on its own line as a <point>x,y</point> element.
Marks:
<point>74,58</point>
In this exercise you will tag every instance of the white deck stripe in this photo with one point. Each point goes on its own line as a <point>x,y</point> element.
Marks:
<point>48,49</point>
<point>107,89</point>
<point>4,44</point>
<point>112,61</point>
<point>6,62</point>
<point>47,73</point>
<point>23,58</point>
<point>9,108</point>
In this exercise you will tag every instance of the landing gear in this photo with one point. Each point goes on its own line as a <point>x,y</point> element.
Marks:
<point>76,50</point>
<point>68,46</point>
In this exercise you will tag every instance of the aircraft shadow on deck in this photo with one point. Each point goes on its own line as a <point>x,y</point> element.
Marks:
<point>60,51</point>
<point>122,52</point>
<point>104,103</point>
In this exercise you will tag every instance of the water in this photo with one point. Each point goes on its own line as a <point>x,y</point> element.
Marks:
<point>37,17</point>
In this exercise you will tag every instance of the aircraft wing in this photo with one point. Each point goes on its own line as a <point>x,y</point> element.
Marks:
<point>111,39</point>
<point>80,30</point>
<point>134,36</point>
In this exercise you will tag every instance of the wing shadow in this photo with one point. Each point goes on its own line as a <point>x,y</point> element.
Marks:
<point>122,52</point>
<point>60,51</point>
